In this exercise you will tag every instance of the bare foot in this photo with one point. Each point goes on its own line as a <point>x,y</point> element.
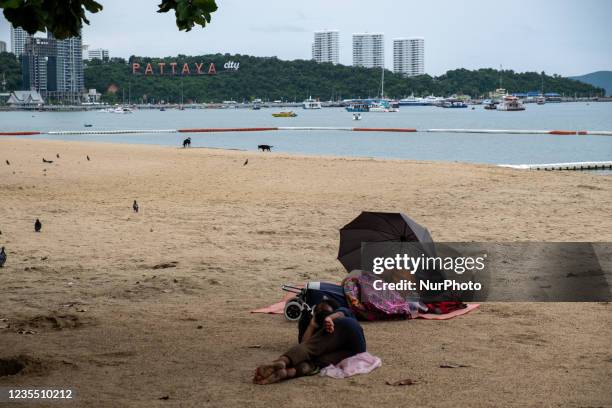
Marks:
<point>264,371</point>
<point>276,376</point>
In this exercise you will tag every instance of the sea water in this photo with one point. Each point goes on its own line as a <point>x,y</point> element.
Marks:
<point>450,147</point>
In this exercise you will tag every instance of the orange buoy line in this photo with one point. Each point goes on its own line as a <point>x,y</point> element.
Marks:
<point>310,128</point>
<point>19,133</point>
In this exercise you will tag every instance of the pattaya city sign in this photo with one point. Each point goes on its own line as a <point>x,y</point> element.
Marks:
<point>183,69</point>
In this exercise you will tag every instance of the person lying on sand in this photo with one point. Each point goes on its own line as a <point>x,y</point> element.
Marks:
<point>333,334</point>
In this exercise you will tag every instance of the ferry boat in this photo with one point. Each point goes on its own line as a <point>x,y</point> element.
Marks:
<point>510,104</point>
<point>289,114</point>
<point>541,100</point>
<point>489,104</point>
<point>412,101</point>
<point>311,104</point>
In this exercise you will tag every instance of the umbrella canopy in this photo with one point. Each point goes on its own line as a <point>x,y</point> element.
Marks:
<point>377,227</point>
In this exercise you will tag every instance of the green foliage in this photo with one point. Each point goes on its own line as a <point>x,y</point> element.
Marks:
<point>65,18</point>
<point>271,79</point>
<point>189,12</point>
<point>10,71</point>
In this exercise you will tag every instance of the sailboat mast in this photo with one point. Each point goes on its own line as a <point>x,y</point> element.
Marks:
<point>382,84</point>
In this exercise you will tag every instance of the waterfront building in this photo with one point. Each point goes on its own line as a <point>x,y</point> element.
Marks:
<point>409,56</point>
<point>326,46</point>
<point>19,37</point>
<point>25,99</point>
<point>369,50</point>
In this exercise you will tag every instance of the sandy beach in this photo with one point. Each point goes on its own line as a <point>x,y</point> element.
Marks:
<point>129,308</point>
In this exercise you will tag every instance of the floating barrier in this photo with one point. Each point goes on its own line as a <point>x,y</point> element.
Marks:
<point>598,165</point>
<point>209,130</point>
<point>313,128</point>
<point>19,133</point>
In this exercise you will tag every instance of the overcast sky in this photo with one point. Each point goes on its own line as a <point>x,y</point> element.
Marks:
<point>568,37</point>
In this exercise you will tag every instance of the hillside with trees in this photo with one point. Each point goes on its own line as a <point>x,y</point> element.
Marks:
<point>10,72</point>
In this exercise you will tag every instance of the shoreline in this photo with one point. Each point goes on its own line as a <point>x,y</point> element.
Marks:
<point>300,155</point>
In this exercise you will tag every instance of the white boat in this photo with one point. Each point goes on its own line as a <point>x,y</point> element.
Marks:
<point>510,103</point>
<point>356,116</point>
<point>382,106</point>
<point>541,100</point>
<point>412,101</point>
<point>311,104</point>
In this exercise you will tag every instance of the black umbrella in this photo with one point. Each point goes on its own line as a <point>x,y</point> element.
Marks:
<point>379,227</point>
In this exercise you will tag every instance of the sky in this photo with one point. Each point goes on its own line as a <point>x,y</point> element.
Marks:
<point>566,37</point>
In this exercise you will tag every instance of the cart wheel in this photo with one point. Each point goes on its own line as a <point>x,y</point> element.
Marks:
<point>293,310</point>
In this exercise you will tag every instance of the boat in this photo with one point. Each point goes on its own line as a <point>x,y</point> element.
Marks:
<point>358,106</point>
<point>382,105</point>
<point>510,103</point>
<point>490,105</point>
<point>356,116</point>
<point>88,125</point>
<point>311,104</point>
<point>540,100</point>
<point>412,101</point>
<point>162,109</point>
<point>256,107</point>
<point>453,103</point>
<point>121,109</point>
<point>288,114</point>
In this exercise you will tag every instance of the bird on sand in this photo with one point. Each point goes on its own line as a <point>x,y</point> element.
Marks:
<point>57,155</point>
<point>88,159</point>
<point>135,206</point>
<point>246,162</point>
<point>8,163</point>
<point>2,257</point>
<point>47,161</point>
<point>37,225</point>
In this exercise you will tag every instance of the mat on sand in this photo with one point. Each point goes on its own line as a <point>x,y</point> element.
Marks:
<point>279,307</point>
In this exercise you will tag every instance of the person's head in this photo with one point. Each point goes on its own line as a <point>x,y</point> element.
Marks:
<point>326,307</point>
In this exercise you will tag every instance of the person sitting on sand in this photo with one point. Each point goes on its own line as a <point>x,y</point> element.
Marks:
<point>333,334</point>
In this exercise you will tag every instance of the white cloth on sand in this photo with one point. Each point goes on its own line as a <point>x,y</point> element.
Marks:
<point>361,363</point>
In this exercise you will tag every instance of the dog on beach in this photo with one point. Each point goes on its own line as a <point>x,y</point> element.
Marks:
<point>265,148</point>
<point>187,142</point>
<point>2,257</point>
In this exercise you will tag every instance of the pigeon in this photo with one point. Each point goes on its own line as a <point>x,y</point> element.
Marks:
<point>135,206</point>
<point>57,155</point>
<point>37,225</point>
<point>8,163</point>
<point>88,159</point>
<point>2,257</point>
<point>246,162</point>
<point>47,161</point>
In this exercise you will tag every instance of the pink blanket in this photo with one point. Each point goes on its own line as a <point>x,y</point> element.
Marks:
<point>279,307</point>
<point>361,363</point>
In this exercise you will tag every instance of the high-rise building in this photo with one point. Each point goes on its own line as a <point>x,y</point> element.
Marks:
<point>53,67</point>
<point>2,46</point>
<point>70,77</point>
<point>39,65</point>
<point>409,56</point>
<point>369,50</point>
<point>97,53</point>
<point>326,46</point>
<point>19,37</point>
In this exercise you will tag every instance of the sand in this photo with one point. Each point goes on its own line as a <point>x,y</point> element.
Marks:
<point>130,308</point>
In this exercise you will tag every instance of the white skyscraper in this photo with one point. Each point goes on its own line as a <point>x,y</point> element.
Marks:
<point>98,53</point>
<point>369,50</point>
<point>19,37</point>
<point>326,46</point>
<point>409,56</point>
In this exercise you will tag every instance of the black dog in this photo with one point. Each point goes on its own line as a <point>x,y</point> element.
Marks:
<point>187,142</point>
<point>265,148</point>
